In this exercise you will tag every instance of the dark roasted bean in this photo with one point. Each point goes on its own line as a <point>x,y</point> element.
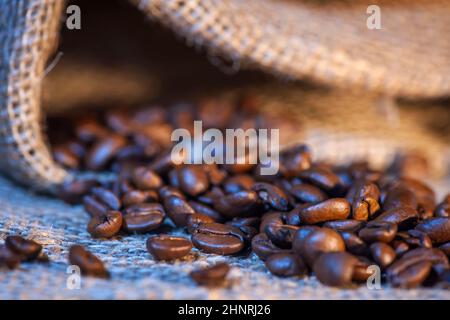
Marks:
<point>243,203</point>
<point>321,177</point>
<point>263,247</point>
<point>328,210</point>
<point>168,191</point>
<point>404,217</point>
<point>271,195</point>
<point>28,249</point>
<point>103,151</point>
<point>416,238</point>
<point>294,160</point>
<point>399,246</point>
<point>216,176</point>
<point>361,271</point>
<point>165,247</point>
<point>354,244</point>
<point>212,276</point>
<point>195,219</point>
<point>399,195</point>
<point>348,225</point>
<point>192,179</point>
<point>73,191</point>
<point>206,210</point>
<point>88,130</point>
<point>335,268</point>
<point>144,217</point>
<point>308,193</point>
<point>245,222</point>
<point>94,207</point>
<point>438,229</point>
<point>376,231</point>
<point>365,202</point>
<point>178,209</point>
<point>106,197</point>
<point>445,248</point>
<point>8,258</point>
<point>443,209</point>
<point>88,263</point>
<point>242,182</point>
<point>279,233</point>
<point>382,254</point>
<point>133,197</point>
<point>218,238</point>
<point>65,157</point>
<point>106,225</point>
<point>286,265</point>
<point>146,179</point>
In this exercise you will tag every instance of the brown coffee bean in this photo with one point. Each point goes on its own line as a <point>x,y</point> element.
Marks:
<point>162,163</point>
<point>212,276</point>
<point>133,197</point>
<point>88,130</point>
<point>73,191</point>
<point>376,231</point>
<point>106,225</point>
<point>308,193</point>
<point>271,195</point>
<point>445,248</point>
<point>243,203</point>
<point>263,247</point>
<point>318,242</point>
<point>146,179</point>
<point>245,222</point>
<point>215,175</point>
<point>196,219</point>
<point>141,218</point>
<point>286,265</point>
<point>443,209</point>
<point>278,232</point>
<point>404,217</point>
<point>165,247</point>
<point>88,263</point>
<point>361,270</point>
<point>103,151</point>
<point>382,254</point>
<point>65,157</point>
<point>328,210</point>
<point>400,247</point>
<point>348,225</point>
<point>335,268</point>
<point>415,239</point>
<point>168,191</point>
<point>106,197</point>
<point>354,244</point>
<point>438,229</point>
<point>241,182</point>
<point>28,249</point>
<point>178,210</point>
<point>321,177</point>
<point>8,258</point>
<point>294,160</point>
<point>94,207</point>
<point>425,196</point>
<point>120,122</point>
<point>218,239</point>
<point>399,195</point>
<point>299,237</point>
<point>192,179</point>
<point>206,210</point>
<point>365,202</point>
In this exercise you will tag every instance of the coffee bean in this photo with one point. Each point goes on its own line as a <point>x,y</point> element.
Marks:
<point>308,193</point>
<point>146,179</point>
<point>133,197</point>
<point>243,203</point>
<point>348,225</point>
<point>194,220</point>
<point>8,258</point>
<point>400,247</point>
<point>443,209</point>
<point>218,239</point>
<point>168,191</point>
<point>141,218</point>
<point>88,263</point>
<point>263,247</point>
<point>294,160</point>
<point>399,195</point>
<point>335,268</point>
<point>328,210</point>
<point>242,182</point>
<point>28,249</point>
<point>94,207</point>
<point>206,210</point>
<point>438,229</point>
<point>245,222</point>
<point>178,210</point>
<point>318,242</point>
<point>72,191</point>
<point>103,151</point>
<point>376,231</point>
<point>106,225</point>
<point>212,276</point>
<point>361,270</point>
<point>271,195</point>
<point>354,244</point>
<point>193,179</point>
<point>165,247</point>
<point>279,233</point>
<point>300,236</point>
<point>404,217</point>
<point>321,177</point>
<point>215,175</point>
<point>365,202</point>
<point>107,197</point>
<point>88,130</point>
<point>415,239</point>
<point>286,265</point>
<point>65,157</point>
<point>382,254</point>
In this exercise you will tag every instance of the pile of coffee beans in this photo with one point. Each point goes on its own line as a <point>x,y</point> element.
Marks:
<point>341,223</point>
<point>17,249</point>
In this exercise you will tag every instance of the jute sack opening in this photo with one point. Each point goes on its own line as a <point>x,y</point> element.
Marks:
<point>325,41</point>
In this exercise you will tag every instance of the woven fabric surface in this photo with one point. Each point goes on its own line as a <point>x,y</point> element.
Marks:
<point>135,275</point>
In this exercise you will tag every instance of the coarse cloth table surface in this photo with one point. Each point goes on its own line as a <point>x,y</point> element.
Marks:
<point>135,275</point>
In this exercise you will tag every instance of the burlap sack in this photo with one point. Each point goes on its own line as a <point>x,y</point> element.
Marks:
<point>327,42</point>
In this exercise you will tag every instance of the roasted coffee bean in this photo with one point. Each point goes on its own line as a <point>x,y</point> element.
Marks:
<point>361,270</point>
<point>425,196</point>
<point>65,157</point>
<point>445,248</point>
<point>245,222</point>
<point>354,244</point>
<point>162,163</point>
<point>365,202</point>
<point>294,160</point>
<point>242,182</point>
<point>94,207</point>
<point>168,191</point>
<point>382,254</point>
<point>133,197</point>
<point>400,247</point>
<point>299,237</point>
<point>120,122</point>
<point>243,203</point>
<point>308,193</point>
<point>286,265</point>
<point>144,217</point>
<point>8,258</point>
<point>206,210</point>
<point>279,233</point>
<point>415,239</point>
<point>215,175</point>
<point>28,249</point>
<point>404,217</point>
<point>218,238</point>
<point>376,231</point>
<point>106,225</point>
<point>178,209</point>
<point>318,242</point>
<point>399,195</point>
<point>263,247</point>
<point>321,177</point>
<point>211,196</point>
<point>146,179</point>
<point>348,225</point>
<point>335,268</point>
<point>248,232</point>
<point>73,191</point>
<point>88,263</point>
<point>212,276</point>
<point>193,179</point>
<point>443,209</point>
<point>438,229</point>
<point>103,151</point>
<point>106,197</point>
<point>88,130</point>
<point>271,195</point>
<point>165,247</point>
<point>328,210</point>
<point>195,219</point>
